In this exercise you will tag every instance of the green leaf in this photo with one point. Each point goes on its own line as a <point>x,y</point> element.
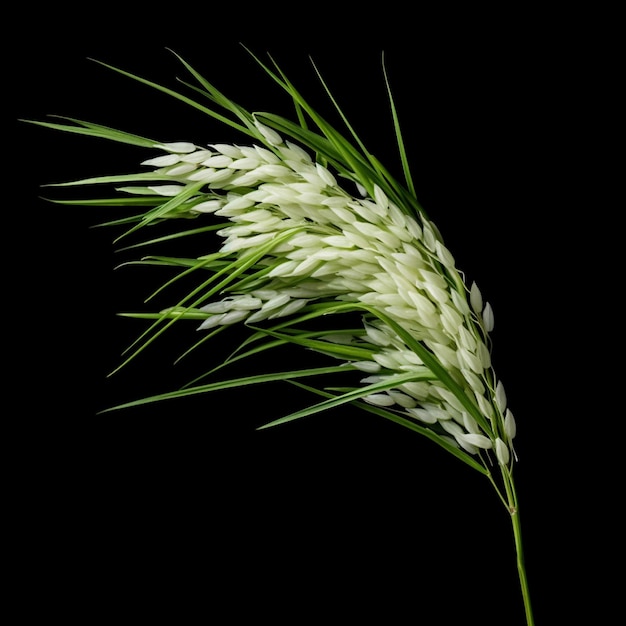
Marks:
<point>407,423</point>
<point>101,202</point>
<point>230,384</point>
<point>116,178</point>
<point>351,396</point>
<point>96,130</point>
<point>185,233</point>
<point>170,313</point>
<point>181,97</point>
<point>400,141</point>
<point>305,340</point>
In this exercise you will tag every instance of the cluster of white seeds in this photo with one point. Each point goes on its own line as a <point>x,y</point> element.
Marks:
<point>354,248</point>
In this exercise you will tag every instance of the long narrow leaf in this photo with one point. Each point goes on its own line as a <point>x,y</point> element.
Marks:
<point>356,394</point>
<point>181,97</point>
<point>96,130</point>
<point>442,441</point>
<point>230,384</point>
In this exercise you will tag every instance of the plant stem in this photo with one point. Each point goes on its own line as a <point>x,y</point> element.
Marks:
<point>513,507</point>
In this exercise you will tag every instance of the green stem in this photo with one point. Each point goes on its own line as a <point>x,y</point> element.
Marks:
<point>517,534</point>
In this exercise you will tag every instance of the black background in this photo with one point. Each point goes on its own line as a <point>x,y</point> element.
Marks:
<point>184,508</point>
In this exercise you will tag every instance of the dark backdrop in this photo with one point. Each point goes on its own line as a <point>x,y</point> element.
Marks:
<point>183,506</point>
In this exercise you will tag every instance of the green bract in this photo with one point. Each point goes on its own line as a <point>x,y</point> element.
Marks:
<point>312,226</point>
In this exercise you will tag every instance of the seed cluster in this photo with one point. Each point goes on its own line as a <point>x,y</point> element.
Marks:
<point>352,247</point>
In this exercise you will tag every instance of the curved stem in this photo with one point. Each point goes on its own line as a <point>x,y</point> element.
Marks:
<point>513,508</point>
